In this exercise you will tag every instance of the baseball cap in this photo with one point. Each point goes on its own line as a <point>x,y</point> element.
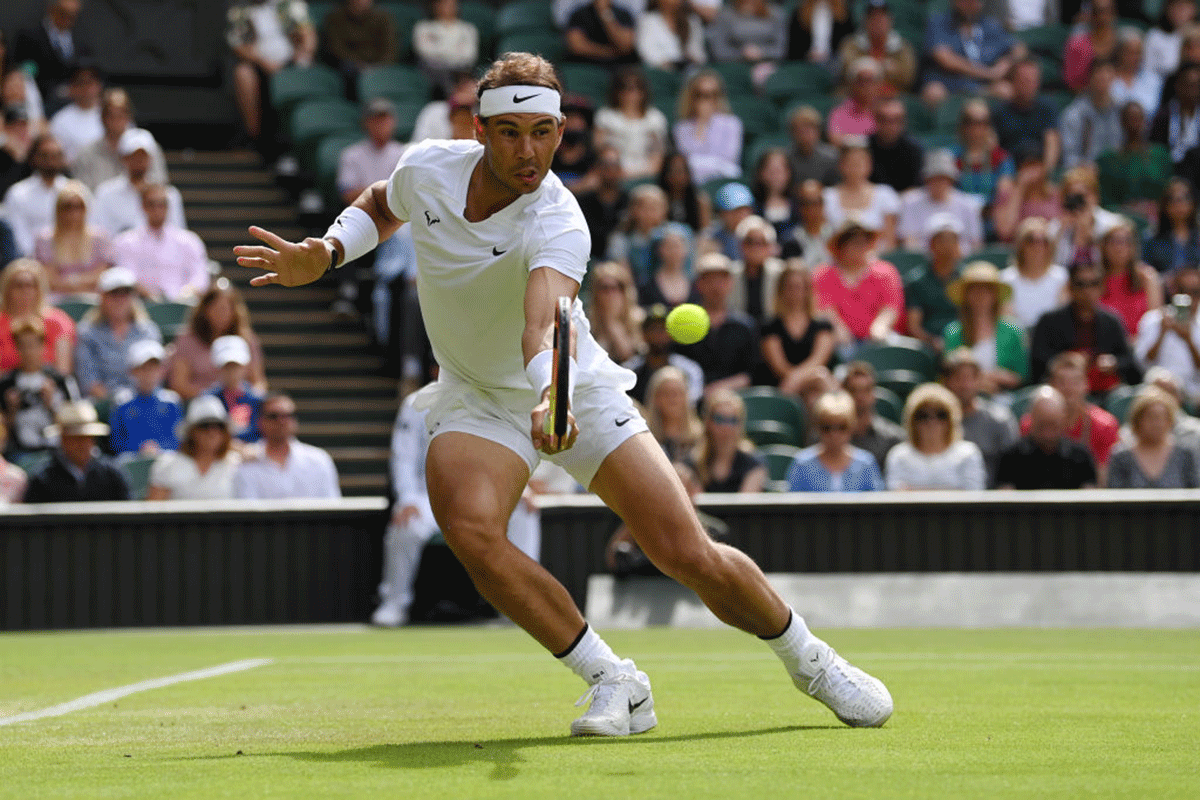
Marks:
<point>940,163</point>
<point>116,278</point>
<point>204,408</point>
<point>135,139</point>
<point>142,351</point>
<point>733,195</point>
<point>713,262</point>
<point>380,105</point>
<point>942,222</point>
<point>230,349</point>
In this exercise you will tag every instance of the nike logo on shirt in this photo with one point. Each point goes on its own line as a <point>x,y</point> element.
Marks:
<point>621,422</point>
<point>496,252</point>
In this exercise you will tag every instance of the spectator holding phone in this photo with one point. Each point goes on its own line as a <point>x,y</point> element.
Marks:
<point>1170,336</point>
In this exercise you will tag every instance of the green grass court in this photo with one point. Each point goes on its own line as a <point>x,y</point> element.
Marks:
<point>483,712</point>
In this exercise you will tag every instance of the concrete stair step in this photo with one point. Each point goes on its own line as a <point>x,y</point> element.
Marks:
<point>202,177</point>
<point>336,367</point>
<point>202,216</point>
<point>364,485</point>
<point>355,387</point>
<point>345,434</point>
<point>235,196</point>
<point>283,342</point>
<point>229,159</point>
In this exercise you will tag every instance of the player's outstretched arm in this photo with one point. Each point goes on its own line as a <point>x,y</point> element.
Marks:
<point>365,223</point>
<point>542,291</point>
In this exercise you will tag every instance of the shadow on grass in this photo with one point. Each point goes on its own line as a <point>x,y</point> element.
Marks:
<point>504,754</point>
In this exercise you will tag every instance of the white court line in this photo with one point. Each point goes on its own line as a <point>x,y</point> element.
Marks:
<point>109,695</point>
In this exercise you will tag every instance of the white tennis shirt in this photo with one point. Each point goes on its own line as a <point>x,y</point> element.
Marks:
<point>471,276</point>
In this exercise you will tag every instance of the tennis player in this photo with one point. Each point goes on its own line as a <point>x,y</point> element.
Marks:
<point>498,240</point>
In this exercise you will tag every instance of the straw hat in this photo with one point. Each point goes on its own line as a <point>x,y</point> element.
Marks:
<point>978,272</point>
<point>77,418</point>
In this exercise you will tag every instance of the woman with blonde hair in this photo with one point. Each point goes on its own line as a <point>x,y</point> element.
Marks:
<point>671,418</point>
<point>24,289</point>
<point>1155,461</point>
<point>613,311</point>
<point>998,345</point>
<point>707,132</point>
<point>935,455</point>
<point>725,459</point>
<point>1131,287</point>
<point>833,464</point>
<point>73,252</point>
<point>108,331</point>
<point>797,345</point>
<point>204,465</point>
<point>1037,283</point>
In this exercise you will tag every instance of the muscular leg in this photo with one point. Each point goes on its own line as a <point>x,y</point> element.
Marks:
<point>246,90</point>
<point>665,526</point>
<point>474,485</point>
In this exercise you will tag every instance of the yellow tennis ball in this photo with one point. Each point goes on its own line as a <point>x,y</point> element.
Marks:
<point>687,323</point>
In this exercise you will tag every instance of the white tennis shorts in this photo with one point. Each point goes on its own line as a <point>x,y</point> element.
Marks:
<point>605,415</point>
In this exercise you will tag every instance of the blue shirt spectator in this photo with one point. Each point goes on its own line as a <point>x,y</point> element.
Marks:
<point>808,474</point>
<point>970,36</point>
<point>143,418</point>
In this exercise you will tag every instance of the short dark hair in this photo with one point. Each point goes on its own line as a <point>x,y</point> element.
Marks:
<point>1079,266</point>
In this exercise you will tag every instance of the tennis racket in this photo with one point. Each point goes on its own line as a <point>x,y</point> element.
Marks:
<point>556,420</point>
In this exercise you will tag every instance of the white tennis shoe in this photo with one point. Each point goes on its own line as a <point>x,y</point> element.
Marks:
<point>855,697</point>
<point>621,705</point>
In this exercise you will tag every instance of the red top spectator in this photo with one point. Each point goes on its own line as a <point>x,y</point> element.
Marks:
<point>864,295</point>
<point>23,290</point>
<point>1088,424</point>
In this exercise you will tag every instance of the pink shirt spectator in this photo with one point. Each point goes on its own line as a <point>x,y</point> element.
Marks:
<point>849,118</point>
<point>58,325</point>
<point>1128,305</point>
<point>1096,429</point>
<point>714,153</point>
<point>100,246</point>
<point>169,262</point>
<point>859,305</point>
<point>1077,57</point>
<point>198,356</point>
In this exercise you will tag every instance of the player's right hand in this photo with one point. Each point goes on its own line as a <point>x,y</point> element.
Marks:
<point>286,263</point>
<point>547,442</point>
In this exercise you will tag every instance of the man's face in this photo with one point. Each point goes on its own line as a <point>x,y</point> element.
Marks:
<point>154,204</point>
<point>811,201</point>
<point>519,148</point>
<point>380,128</point>
<point>862,390</point>
<point>1027,80</point>
<point>147,375</point>
<point>890,121</point>
<point>137,164</point>
<point>963,382</point>
<point>805,134</point>
<point>878,24</point>
<point>944,246</point>
<point>1133,121</point>
<point>232,375</point>
<point>756,247</point>
<point>609,168</point>
<point>714,286</point>
<point>1086,288</point>
<point>64,13</point>
<point>1187,281</point>
<point>85,89</point>
<point>1100,83</point>
<point>277,422</point>
<point>1047,424</point>
<point>49,159</point>
<point>939,187</point>
<point>1071,383</point>
<point>77,449</point>
<point>864,86</point>
<point>116,118</point>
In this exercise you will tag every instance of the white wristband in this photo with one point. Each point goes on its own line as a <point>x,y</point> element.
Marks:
<point>355,229</point>
<point>540,371</point>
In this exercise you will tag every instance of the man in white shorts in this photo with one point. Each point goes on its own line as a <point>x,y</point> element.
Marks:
<point>498,240</point>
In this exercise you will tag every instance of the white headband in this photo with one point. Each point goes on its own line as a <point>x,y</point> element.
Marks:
<point>519,100</point>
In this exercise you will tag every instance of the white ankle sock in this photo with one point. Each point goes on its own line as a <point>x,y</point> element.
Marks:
<point>791,642</point>
<point>590,657</point>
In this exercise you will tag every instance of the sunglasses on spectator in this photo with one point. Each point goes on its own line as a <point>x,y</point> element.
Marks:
<point>726,419</point>
<point>929,415</point>
<point>278,414</point>
<point>209,425</point>
<point>833,427</point>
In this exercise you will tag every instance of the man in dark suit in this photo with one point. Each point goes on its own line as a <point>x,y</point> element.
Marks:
<point>55,48</point>
<point>1084,325</point>
<point>77,472</point>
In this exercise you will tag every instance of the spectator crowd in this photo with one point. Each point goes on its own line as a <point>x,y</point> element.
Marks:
<point>1002,193</point>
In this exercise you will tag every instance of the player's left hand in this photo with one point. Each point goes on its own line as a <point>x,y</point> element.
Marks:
<point>548,443</point>
<point>287,263</point>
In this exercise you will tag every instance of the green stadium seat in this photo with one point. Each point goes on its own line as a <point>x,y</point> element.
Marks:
<point>945,116</point>
<point>997,255</point>
<point>407,14</point>
<point>936,141</point>
<point>779,460</point>
<point>1119,400</point>
<point>1046,40</point>
<point>794,79</point>
<point>292,85</point>
<point>886,358</point>
<point>548,44</point>
<point>312,121</point>
<point>767,403</point>
<point>524,15</point>
<point>888,405</point>
<point>664,86</point>
<point>766,432</point>
<point>762,144</point>
<point>137,472</point>
<point>171,318</point>
<point>900,381</point>
<point>713,185</point>
<point>736,76</point>
<point>483,17</point>
<point>904,260</point>
<point>758,115</point>
<point>318,11</point>
<point>75,309</point>
<point>920,118</point>
<point>588,80</point>
<point>396,82</point>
